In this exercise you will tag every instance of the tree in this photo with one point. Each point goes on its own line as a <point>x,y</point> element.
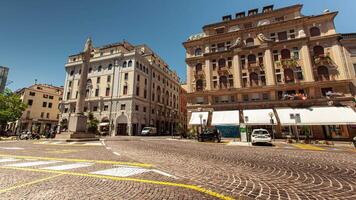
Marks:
<point>11,108</point>
<point>92,123</point>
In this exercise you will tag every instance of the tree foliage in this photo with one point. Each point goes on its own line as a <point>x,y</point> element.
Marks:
<point>11,107</point>
<point>92,123</point>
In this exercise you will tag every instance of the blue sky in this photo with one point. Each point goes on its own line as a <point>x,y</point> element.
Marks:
<point>37,36</point>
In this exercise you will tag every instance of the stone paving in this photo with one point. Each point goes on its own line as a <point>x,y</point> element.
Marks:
<point>162,168</point>
<point>255,172</point>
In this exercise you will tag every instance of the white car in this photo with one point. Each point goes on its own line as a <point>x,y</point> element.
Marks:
<point>149,131</point>
<point>260,136</point>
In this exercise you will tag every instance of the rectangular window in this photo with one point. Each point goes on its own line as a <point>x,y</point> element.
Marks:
<point>245,97</point>
<point>123,107</point>
<point>282,36</point>
<point>229,62</point>
<point>273,36</point>
<point>106,108</point>
<point>30,102</point>
<point>98,80</point>
<point>145,94</point>
<point>49,105</point>
<point>32,93</point>
<point>45,96</point>
<point>275,55</point>
<point>107,92</point>
<point>50,97</point>
<point>97,92</point>
<point>145,81</point>
<point>108,78</point>
<point>144,109</point>
<point>44,104</point>
<point>126,76</point>
<point>299,73</point>
<point>95,108</point>
<point>265,96</point>
<point>76,94</point>
<point>42,114</point>
<point>354,68</point>
<point>125,90</point>
<point>215,83</point>
<point>136,107</point>
<point>137,91</point>
<point>138,78</point>
<point>47,116</point>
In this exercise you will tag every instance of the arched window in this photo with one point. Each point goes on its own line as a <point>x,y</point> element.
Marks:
<point>129,64</point>
<point>285,54</point>
<point>99,68</point>
<point>109,66</point>
<point>254,79</point>
<point>288,75</point>
<point>318,50</point>
<point>199,85</point>
<point>223,81</point>
<point>198,67</point>
<point>314,31</point>
<point>197,52</point>
<point>221,63</point>
<point>323,73</point>
<point>124,64</point>
<point>251,58</point>
<point>250,42</point>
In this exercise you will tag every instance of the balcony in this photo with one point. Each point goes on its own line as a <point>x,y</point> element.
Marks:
<point>252,66</point>
<point>199,74</point>
<point>223,70</point>
<point>287,63</point>
<point>323,59</point>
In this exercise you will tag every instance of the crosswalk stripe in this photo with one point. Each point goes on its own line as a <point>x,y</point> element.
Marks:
<point>2,160</point>
<point>121,171</point>
<point>69,166</point>
<point>30,164</point>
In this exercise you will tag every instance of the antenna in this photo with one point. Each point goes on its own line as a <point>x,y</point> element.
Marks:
<point>35,81</point>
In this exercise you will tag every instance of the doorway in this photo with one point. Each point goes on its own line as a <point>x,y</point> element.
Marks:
<point>121,129</point>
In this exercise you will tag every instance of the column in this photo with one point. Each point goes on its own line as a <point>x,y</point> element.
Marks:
<point>338,58</point>
<point>189,78</point>
<point>307,63</point>
<point>208,69</point>
<point>269,68</point>
<point>236,71</point>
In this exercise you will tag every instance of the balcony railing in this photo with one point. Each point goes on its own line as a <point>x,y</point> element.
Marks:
<point>287,63</point>
<point>322,59</point>
<point>223,70</point>
<point>199,74</point>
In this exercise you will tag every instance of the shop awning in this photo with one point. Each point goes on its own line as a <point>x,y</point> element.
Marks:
<point>317,116</point>
<point>104,124</point>
<point>195,118</point>
<point>258,117</point>
<point>230,117</point>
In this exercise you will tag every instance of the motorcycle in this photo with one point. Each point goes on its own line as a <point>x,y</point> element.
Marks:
<point>25,135</point>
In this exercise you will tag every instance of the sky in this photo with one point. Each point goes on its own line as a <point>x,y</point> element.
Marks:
<point>36,37</point>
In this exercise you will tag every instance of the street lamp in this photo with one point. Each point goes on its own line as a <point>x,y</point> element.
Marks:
<point>201,123</point>
<point>296,117</point>
<point>271,115</point>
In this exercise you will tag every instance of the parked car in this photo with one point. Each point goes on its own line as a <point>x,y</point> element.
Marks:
<point>211,134</point>
<point>260,136</point>
<point>149,131</point>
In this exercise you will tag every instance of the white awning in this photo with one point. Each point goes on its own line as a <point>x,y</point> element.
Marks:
<point>104,124</point>
<point>230,117</point>
<point>195,118</point>
<point>258,117</point>
<point>317,116</point>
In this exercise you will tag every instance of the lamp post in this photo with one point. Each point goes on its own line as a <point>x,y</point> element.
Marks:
<point>271,115</point>
<point>296,117</point>
<point>201,123</point>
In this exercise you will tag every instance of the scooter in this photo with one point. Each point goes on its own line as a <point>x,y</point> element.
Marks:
<point>25,135</point>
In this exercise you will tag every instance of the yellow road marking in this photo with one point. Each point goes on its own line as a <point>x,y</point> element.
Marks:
<point>308,147</point>
<point>81,160</point>
<point>29,183</point>
<point>187,186</point>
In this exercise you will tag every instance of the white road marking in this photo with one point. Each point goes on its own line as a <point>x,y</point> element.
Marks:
<point>30,164</point>
<point>69,166</point>
<point>121,171</point>
<point>93,144</point>
<point>11,148</point>
<point>163,173</point>
<point>8,160</point>
<point>116,153</point>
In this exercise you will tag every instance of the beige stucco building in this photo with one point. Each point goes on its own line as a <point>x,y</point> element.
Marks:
<point>275,58</point>
<point>42,112</point>
<point>129,87</point>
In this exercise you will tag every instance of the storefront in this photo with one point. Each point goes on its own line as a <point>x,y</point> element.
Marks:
<point>259,118</point>
<point>317,122</point>
<point>227,122</point>
<point>199,120</point>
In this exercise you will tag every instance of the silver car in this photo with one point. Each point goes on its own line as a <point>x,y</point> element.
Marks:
<point>260,136</point>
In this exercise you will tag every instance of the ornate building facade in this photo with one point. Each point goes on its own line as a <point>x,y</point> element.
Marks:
<point>129,87</point>
<point>271,59</point>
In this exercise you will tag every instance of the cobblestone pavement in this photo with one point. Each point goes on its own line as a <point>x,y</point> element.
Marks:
<point>262,172</point>
<point>162,168</point>
<point>56,170</point>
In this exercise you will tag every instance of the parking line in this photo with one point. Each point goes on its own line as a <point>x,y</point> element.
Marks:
<point>181,185</point>
<point>29,183</point>
<point>308,147</point>
<point>80,160</point>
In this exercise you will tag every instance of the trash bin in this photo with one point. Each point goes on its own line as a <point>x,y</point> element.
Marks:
<point>354,141</point>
